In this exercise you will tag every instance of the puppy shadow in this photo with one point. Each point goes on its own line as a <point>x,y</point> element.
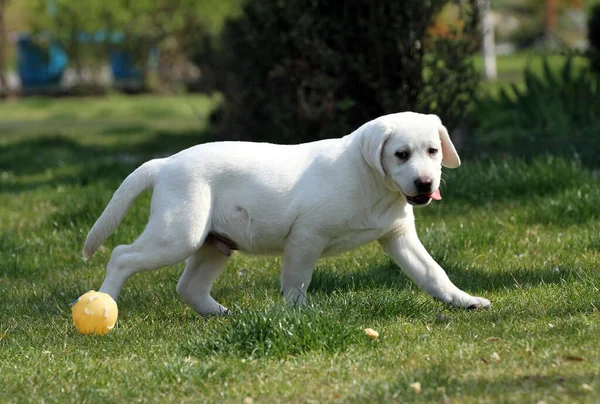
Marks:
<point>376,281</point>
<point>388,275</point>
<point>384,275</point>
<point>480,280</point>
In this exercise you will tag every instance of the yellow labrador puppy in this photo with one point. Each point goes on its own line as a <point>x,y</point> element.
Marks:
<point>302,201</point>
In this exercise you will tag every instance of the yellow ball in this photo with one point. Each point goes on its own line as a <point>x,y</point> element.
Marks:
<point>94,313</point>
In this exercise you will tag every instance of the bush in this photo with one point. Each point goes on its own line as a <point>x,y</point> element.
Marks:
<point>556,112</point>
<point>594,37</point>
<point>303,70</point>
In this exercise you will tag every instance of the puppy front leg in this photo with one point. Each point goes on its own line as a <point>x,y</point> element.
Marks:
<point>299,260</point>
<point>408,253</point>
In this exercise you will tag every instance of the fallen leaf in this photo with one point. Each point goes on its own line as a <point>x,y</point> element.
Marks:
<point>371,333</point>
<point>416,387</point>
<point>495,356</point>
<point>587,387</point>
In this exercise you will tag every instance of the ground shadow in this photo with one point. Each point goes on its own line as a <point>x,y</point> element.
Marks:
<point>442,385</point>
<point>86,163</point>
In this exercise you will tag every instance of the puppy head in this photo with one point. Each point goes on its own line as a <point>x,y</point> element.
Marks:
<point>408,150</point>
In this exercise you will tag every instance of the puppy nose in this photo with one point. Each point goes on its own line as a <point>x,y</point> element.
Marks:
<point>423,184</point>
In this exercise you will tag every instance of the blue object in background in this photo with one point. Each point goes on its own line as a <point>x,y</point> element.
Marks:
<point>41,68</point>
<point>122,66</point>
<point>38,66</point>
<point>121,61</point>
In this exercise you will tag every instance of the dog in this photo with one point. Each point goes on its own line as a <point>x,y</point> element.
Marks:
<point>302,201</point>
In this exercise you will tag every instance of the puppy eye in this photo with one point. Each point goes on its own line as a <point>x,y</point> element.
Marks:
<point>403,155</point>
<point>432,151</point>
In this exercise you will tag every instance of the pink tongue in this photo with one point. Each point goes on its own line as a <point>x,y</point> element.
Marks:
<point>436,196</point>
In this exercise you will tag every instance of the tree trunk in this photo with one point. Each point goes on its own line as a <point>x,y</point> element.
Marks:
<point>550,12</point>
<point>488,44</point>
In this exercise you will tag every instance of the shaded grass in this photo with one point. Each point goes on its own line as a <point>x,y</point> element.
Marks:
<point>553,110</point>
<point>523,233</point>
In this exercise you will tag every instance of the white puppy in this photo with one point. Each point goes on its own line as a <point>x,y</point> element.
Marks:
<point>303,201</point>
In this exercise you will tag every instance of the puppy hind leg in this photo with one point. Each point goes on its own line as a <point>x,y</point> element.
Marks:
<point>146,253</point>
<point>169,238</point>
<point>116,274</point>
<point>201,271</point>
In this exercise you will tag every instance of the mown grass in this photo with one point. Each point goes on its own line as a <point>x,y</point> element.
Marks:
<point>523,233</point>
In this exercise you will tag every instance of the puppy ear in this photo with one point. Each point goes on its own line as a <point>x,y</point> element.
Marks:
<point>373,137</point>
<point>450,157</point>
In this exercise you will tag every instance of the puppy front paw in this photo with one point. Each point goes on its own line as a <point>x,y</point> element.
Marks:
<point>479,303</point>
<point>471,302</point>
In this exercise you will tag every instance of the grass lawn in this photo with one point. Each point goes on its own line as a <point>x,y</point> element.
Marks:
<point>524,234</point>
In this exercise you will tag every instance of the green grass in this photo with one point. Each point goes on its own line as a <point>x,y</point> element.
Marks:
<point>524,234</point>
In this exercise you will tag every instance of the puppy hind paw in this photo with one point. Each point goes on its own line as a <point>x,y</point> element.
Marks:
<point>210,307</point>
<point>295,298</point>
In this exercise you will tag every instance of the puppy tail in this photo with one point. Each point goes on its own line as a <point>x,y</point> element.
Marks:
<point>138,181</point>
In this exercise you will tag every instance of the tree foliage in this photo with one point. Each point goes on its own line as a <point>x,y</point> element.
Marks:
<point>90,29</point>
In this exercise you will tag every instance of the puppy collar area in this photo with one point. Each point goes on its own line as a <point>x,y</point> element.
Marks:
<point>221,243</point>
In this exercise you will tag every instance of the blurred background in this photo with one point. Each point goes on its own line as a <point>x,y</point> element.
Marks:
<point>500,73</point>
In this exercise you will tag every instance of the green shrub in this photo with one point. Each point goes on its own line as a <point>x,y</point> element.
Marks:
<point>303,70</point>
<point>556,112</point>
